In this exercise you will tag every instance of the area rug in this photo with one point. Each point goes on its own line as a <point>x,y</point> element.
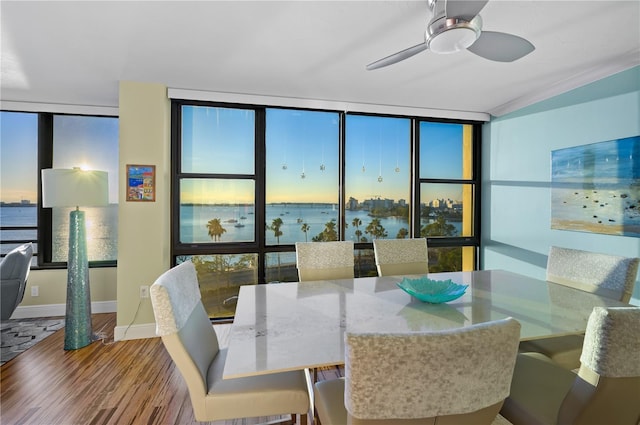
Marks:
<point>18,335</point>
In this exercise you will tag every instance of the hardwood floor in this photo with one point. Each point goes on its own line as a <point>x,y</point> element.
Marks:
<point>126,382</point>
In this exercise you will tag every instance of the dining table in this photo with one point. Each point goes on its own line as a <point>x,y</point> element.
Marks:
<point>301,325</point>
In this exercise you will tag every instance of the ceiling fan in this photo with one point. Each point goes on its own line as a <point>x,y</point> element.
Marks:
<point>456,25</point>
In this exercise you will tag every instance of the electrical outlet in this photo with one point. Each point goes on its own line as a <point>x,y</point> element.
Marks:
<point>35,291</point>
<point>144,291</point>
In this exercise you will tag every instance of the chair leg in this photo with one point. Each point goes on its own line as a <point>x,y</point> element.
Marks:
<point>292,421</point>
<point>311,380</point>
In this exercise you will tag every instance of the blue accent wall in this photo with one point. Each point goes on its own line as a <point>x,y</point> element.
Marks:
<point>516,173</point>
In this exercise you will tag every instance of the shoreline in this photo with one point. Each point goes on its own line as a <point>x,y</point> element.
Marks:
<point>607,229</point>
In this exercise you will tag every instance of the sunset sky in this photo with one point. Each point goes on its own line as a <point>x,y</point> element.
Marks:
<point>377,159</point>
<point>88,143</point>
<point>306,143</point>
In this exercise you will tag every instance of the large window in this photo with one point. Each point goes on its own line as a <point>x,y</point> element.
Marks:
<point>89,143</point>
<point>377,183</point>
<point>301,184</point>
<point>215,201</point>
<point>302,175</point>
<point>18,180</point>
<point>34,141</point>
<point>251,181</point>
<point>448,193</point>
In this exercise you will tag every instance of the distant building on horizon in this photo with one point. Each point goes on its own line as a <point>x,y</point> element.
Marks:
<point>352,204</point>
<point>22,203</point>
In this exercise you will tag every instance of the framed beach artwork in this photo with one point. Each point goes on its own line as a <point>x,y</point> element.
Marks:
<point>141,183</point>
<point>596,188</point>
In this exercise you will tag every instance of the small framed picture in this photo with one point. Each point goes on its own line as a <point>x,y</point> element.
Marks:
<point>141,183</point>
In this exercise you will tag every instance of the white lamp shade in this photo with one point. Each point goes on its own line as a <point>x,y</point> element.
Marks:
<point>74,188</point>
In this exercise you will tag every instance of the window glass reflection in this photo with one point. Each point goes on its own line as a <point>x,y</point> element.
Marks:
<point>18,179</point>
<point>217,210</point>
<point>280,267</point>
<point>220,278</point>
<point>446,210</point>
<point>301,176</point>
<point>452,259</point>
<point>217,140</point>
<point>90,143</point>
<point>377,182</point>
<point>445,150</point>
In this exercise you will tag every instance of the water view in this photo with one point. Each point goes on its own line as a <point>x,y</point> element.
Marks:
<point>238,222</point>
<point>102,242</point>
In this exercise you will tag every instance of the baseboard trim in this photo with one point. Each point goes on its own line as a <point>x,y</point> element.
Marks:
<point>145,330</point>
<point>55,310</point>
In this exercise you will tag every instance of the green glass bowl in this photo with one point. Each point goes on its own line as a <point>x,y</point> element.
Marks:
<point>432,291</point>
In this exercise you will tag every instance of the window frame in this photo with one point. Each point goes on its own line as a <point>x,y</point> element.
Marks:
<point>456,241</point>
<point>259,246</point>
<point>412,172</point>
<point>17,242</point>
<point>201,248</point>
<point>45,215</point>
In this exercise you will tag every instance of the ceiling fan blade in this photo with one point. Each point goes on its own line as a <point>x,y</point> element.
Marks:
<point>501,47</point>
<point>397,57</point>
<point>465,9</point>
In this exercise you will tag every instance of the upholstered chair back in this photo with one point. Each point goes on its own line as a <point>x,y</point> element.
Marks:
<point>460,375</point>
<point>324,260</point>
<point>185,328</point>
<point>191,341</point>
<point>607,389</point>
<point>401,256</point>
<point>607,275</point>
<point>14,272</point>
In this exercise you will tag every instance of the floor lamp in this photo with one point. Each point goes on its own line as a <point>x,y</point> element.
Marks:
<point>76,188</point>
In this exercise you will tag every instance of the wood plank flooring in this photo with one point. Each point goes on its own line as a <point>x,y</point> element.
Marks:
<point>126,382</point>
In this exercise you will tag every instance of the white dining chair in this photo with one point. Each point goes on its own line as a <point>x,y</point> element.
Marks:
<point>459,376</point>
<point>606,275</point>
<point>401,256</point>
<point>324,260</point>
<point>606,389</point>
<point>191,341</point>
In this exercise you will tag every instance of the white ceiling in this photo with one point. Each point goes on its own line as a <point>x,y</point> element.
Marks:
<point>76,52</point>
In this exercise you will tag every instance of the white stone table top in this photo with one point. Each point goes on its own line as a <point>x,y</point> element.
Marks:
<point>292,326</point>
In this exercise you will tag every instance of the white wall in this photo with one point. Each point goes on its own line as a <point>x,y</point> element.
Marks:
<point>516,195</point>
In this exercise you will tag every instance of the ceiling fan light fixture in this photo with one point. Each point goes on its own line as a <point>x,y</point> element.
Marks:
<point>462,31</point>
<point>452,35</point>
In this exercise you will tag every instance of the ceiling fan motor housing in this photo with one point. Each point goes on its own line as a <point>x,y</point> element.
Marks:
<point>450,35</point>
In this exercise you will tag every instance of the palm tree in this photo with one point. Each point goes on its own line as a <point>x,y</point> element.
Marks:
<point>439,227</point>
<point>357,223</point>
<point>328,234</point>
<point>449,259</point>
<point>375,229</point>
<point>330,230</point>
<point>276,224</point>
<point>305,228</point>
<point>215,229</point>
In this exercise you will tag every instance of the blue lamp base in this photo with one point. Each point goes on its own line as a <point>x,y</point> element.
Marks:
<point>78,331</point>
